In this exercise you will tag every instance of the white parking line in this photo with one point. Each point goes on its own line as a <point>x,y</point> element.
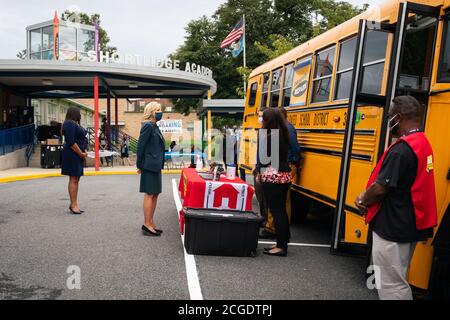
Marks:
<point>300,244</point>
<point>195,290</point>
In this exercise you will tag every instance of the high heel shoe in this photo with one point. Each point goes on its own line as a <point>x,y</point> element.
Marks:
<point>269,248</point>
<point>147,232</point>
<point>75,212</point>
<point>282,253</point>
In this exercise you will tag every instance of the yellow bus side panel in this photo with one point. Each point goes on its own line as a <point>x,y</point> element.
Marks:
<point>355,228</point>
<point>438,132</point>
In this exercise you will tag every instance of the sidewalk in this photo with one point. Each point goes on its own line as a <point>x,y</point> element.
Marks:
<point>38,173</point>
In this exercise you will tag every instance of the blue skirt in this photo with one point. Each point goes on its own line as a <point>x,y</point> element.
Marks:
<point>151,182</point>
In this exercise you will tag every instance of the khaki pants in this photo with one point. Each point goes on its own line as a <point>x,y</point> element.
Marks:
<point>270,225</point>
<point>392,260</point>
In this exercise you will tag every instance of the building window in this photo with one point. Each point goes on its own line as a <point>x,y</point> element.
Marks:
<point>275,88</point>
<point>67,43</point>
<point>265,90</point>
<point>37,112</point>
<point>36,42</point>
<point>52,112</point>
<point>345,69</point>
<point>287,84</point>
<point>85,43</point>
<point>47,38</point>
<point>322,75</point>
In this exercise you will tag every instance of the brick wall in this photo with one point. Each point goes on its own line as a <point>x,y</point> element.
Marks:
<point>133,120</point>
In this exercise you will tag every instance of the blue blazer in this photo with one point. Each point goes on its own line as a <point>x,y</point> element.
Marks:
<point>150,149</point>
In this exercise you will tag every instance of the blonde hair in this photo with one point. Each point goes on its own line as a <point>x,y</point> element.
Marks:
<point>150,110</point>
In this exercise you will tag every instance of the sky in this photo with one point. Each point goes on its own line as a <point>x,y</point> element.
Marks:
<point>151,28</point>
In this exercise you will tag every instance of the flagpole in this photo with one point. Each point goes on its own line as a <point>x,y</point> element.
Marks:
<point>245,54</point>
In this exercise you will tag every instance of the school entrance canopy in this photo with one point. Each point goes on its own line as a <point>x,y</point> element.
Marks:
<point>78,79</point>
<point>233,108</point>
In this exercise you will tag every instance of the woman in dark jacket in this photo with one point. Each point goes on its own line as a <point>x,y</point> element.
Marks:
<point>150,161</point>
<point>73,155</point>
<point>274,173</point>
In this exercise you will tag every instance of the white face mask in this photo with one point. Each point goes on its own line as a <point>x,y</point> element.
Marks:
<point>391,123</point>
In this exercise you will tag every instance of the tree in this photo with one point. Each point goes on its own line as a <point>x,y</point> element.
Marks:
<point>331,14</point>
<point>84,18</point>
<point>272,28</point>
<point>277,47</point>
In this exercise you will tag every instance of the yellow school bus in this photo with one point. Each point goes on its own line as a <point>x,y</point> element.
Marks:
<point>337,89</point>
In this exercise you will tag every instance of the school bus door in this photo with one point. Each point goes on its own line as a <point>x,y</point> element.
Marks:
<point>359,98</point>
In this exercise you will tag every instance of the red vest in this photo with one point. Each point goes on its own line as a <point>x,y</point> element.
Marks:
<point>423,189</point>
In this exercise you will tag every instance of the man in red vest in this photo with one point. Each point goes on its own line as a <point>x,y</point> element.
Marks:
<point>400,201</point>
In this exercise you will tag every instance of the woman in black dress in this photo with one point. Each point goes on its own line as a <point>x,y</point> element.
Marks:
<point>73,155</point>
<point>150,161</point>
<point>274,174</point>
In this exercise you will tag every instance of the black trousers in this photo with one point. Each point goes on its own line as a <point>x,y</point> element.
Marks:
<point>260,197</point>
<point>275,195</point>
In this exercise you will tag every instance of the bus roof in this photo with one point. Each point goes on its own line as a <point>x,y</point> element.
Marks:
<point>387,11</point>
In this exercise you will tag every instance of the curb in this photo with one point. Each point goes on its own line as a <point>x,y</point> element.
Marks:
<point>86,174</point>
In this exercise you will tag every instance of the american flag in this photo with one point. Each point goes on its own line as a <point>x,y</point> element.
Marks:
<point>234,35</point>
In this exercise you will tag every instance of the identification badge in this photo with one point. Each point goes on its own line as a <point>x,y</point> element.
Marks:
<point>430,166</point>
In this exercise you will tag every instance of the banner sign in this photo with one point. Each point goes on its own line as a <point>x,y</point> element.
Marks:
<point>301,82</point>
<point>56,37</point>
<point>170,126</point>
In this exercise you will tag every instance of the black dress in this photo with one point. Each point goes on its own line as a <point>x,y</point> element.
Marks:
<point>72,164</point>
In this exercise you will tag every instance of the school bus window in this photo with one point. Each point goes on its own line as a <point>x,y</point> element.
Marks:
<point>275,89</point>
<point>345,69</point>
<point>322,75</point>
<point>287,84</point>
<point>444,64</point>
<point>417,55</point>
<point>373,62</point>
<point>253,91</point>
<point>265,91</point>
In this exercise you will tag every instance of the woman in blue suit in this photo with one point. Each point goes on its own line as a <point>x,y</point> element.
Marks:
<point>150,161</point>
<point>73,155</point>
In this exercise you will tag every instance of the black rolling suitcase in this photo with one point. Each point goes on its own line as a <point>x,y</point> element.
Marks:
<point>221,232</point>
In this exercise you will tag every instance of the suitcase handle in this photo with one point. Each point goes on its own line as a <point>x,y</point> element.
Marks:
<point>226,215</point>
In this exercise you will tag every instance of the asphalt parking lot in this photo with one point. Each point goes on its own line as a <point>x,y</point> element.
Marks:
<point>40,240</point>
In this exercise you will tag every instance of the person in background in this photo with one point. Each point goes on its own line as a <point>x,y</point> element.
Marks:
<point>275,175</point>
<point>124,150</point>
<point>269,230</point>
<point>150,161</point>
<point>73,155</point>
<point>400,200</point>
<point>263,210</point>
<point>103,147</point>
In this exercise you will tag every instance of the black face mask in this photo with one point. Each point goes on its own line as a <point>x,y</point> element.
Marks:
<point>393,125</point>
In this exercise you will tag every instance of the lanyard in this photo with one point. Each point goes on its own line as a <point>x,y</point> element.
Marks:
<point>411,132</point>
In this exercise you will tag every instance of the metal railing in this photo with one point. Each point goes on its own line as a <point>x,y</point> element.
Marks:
<point>30,150</point>
<point>16,138</point>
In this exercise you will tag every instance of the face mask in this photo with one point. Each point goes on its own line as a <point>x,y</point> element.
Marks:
<point>392,124</point>
<point>260,120</point>
<point>158,116</point>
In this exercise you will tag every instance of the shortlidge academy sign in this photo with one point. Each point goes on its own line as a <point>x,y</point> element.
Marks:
<point>138,59</point>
